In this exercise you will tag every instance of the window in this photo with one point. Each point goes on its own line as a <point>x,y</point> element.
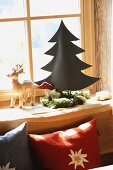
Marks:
<point>27,25</point>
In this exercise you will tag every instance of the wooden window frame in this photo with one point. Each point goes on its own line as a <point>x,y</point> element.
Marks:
<point>87,34</point>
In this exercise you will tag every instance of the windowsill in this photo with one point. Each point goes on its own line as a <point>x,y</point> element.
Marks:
<point>39,111</point>
<point>39,114</point>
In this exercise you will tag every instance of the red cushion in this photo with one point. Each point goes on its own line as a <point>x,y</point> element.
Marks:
<point>75,148</point>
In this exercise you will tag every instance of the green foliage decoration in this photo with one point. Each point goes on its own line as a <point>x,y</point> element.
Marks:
<point>65,99</point>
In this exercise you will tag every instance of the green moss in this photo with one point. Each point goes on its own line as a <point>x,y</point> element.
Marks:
<point>74,94</point>
<point>57,103</point>
<point>66,99</point>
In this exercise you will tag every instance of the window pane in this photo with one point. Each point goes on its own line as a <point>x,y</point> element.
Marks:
<point>42,32</point>
<point>54,7</point>
<point>12,8</point>
<point>12,50</point>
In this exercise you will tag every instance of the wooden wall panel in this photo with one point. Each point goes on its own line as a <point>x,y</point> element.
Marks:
<point>103,11</point>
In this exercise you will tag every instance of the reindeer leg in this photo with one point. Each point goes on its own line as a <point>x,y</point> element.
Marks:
<point>12,103</point>
<point>33,100</point>
<point>24,99</point>
<point>20,101</point>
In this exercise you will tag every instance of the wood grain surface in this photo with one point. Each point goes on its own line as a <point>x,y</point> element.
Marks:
<point>103,10</point>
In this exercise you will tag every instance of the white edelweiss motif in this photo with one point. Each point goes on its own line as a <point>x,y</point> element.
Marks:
<point>78,158</point>
<point>7,167</point>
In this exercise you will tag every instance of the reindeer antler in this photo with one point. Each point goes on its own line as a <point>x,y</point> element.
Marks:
<point>18,68</point>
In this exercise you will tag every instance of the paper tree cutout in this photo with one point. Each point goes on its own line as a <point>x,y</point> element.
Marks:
<point>66,67</point>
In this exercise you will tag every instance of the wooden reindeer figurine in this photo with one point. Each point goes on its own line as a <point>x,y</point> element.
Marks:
<point>22,90</point>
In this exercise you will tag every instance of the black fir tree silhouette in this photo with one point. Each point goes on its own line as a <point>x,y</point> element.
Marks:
<point>66,67</point>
